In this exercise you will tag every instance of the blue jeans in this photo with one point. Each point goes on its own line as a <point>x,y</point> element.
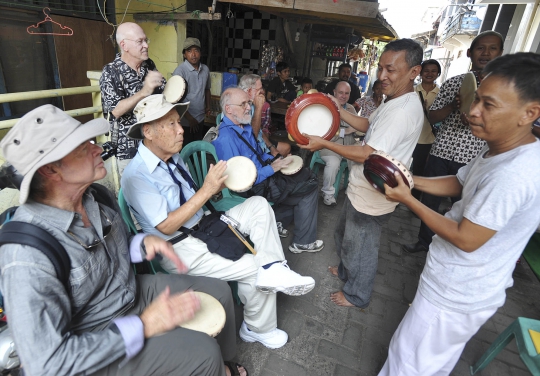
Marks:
<point>357,239</point>
<point>436,166</point>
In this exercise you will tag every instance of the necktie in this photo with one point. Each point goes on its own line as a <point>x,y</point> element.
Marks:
<point>185,176</point>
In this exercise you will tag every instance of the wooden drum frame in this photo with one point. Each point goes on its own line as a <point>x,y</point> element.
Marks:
<point>379,168</point>
<point>296,114</point>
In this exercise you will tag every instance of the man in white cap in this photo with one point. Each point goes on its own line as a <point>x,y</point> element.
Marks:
<point>131,77</point>
<point>108,321</point>
<point>163,197</point>
<point>197,76</point>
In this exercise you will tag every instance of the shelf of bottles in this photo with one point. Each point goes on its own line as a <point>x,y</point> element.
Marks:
<point>331,52</point>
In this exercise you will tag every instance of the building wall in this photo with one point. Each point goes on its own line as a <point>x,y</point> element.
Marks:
<point>166,37</point>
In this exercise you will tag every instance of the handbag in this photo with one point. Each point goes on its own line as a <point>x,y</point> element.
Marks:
<point>218,237</point>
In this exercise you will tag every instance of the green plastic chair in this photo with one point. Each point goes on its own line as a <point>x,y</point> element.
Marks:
<point>195,156</point>
<point>126,216</point>
<point>316,160</point>
<point>519,330</point>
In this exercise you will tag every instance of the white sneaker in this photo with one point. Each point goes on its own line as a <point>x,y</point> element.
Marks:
<point>282,231</point>
<point>279,277</point>
<point>329,200</point>
<point>273,339</point>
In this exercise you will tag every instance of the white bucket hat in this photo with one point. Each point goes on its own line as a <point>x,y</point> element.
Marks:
<point>45,135</point>
<point>152,108</point>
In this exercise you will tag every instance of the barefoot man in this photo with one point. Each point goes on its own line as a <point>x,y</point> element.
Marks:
<point>394,128</point>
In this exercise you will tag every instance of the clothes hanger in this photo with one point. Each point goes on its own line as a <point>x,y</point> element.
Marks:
<point>29,29</point>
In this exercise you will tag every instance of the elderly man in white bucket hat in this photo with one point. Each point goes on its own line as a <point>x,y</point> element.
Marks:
<point>162,195</point>
<point>104,320</point>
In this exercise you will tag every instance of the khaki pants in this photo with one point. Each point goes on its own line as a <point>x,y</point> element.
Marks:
<point>256,219</point>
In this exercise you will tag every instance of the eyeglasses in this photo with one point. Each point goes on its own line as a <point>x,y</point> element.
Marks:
<point>106,231</point>
<point>139,42</point>
<point>243,104</point>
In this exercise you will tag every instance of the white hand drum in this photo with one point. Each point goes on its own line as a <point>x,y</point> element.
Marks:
<point>210,318</point>
<point>242,174</point>
<point>175,88</point>
<point>467,92</point>
<point>292,168</point>
<point>313,114</point>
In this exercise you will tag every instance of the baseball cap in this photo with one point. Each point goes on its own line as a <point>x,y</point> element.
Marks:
<point>485,34</point>
<point>152,108</point>
<point>190,42</point>
<point>45,135</point>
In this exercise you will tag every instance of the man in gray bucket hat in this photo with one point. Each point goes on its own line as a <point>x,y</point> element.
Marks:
<point>104,320</point>
<point>163,197</point>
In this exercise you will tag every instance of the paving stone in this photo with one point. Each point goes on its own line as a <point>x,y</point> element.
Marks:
<point>352,337</point>
<point>340,354</point>
<point>283,367</point>
<point>373,357</point>
<point>344,371</point>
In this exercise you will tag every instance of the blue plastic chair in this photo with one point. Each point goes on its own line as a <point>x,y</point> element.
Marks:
<point>519,330</point>
<point>195,156</point>
<point>316,160</point>
<point>126,216</point>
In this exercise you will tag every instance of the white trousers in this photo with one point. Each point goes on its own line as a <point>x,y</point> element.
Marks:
<point>256,219</point>
<point>331,170</point>
<point>430,340</point>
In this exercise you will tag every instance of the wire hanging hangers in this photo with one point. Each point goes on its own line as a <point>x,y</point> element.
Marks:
<point>30,29</point>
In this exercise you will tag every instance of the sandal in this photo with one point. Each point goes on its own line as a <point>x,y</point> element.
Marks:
<point>233,368</point>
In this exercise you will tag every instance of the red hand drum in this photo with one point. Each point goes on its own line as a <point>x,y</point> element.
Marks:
<point>379,168</point>
<point>313,114</point>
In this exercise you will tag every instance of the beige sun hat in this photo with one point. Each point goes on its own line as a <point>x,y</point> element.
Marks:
<point>45,135</point>
<point>190,42</point>
<point>152,108</point>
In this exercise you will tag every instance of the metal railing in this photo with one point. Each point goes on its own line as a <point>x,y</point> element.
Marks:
<point>40,94</point>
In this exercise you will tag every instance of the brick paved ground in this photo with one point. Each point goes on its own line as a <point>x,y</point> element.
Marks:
<point>325,339</point>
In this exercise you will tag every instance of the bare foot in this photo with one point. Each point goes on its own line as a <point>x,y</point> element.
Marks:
<point>338,298</point>
<point>333,270</point>
<point>241,370</point>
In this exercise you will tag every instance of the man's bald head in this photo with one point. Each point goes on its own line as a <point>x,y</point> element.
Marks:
<point>342,92</point>
<point>127,30</point>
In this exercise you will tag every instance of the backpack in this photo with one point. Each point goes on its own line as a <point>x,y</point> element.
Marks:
<point>16,232</point>
<point>213,132</point>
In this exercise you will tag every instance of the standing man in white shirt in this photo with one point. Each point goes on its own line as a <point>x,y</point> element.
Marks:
<point>197,76</point>
<point>393,128</point>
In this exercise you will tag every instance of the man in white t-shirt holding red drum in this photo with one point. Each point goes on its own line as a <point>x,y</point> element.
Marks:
<point>394,128</point>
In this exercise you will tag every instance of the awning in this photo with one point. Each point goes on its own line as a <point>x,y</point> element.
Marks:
<point>362,16</point>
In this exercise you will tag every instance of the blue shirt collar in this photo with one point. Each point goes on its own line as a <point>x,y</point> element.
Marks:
<point>150,159</point>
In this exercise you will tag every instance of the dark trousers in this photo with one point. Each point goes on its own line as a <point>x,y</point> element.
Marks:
<point>194,136</point>
<point>180,351</point>
<point>436,166</point>
<point>420,156</point>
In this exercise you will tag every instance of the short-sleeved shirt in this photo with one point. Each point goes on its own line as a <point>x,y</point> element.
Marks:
<point>348,139</point>
<point>355,91</point>
<point>367,106</point>
<point>393,128</point>
<point>119,81</point>
<point>427,136</point>
<point>280,88</point>
<point>197,82</point>
<point>454,140</point>
<point>501,193</point>
<point>151,192</point>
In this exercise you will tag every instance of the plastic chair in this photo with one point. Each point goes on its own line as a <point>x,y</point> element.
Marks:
<point>316,160</point>
<point>195,156</point>
<point>527,351</point>
<point>126,216</point>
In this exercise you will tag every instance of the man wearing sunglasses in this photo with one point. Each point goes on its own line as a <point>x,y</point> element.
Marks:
<point>131,77</point>
<point>108,321</point>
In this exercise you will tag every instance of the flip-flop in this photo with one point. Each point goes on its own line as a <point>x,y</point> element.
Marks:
<point>233,368</point>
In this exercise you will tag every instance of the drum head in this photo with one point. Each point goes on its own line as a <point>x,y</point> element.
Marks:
<point>242,174</point>
<point>175,89</point>
<point>293,167</point>
<point>210,318</point>
<point>467,92</point>
<point>314,114</point>
<point>379,168</point>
